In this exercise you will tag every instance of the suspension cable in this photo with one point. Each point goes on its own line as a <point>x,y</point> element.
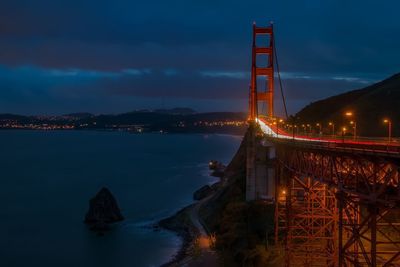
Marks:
<point>279,78</point>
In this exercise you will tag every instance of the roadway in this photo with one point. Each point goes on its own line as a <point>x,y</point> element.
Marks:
<point>360,144</point>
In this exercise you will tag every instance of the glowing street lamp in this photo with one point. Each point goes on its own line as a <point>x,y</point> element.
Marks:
<point>320,127</point>
<point>389,122</point>
<point>348,114</point>
<point>344,129</point>
<point>355,128</point>
<point>351,114</point>
<point>333,128</point>
<point>277,126</point>
<point>277,129</point>
<point>309,128</point>
<point>282,194</point>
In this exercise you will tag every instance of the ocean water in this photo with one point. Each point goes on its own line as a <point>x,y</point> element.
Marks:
<point>47,179</point>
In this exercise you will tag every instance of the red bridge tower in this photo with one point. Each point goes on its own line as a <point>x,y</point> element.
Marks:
<point>266,70</point>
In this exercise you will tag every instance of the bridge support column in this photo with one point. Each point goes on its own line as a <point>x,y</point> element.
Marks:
<point>311,222</point>
<point>364,191</point>
<point>250,164</point>
<point>260,168</point>
<point>371,222</point>
<point>340,200</point>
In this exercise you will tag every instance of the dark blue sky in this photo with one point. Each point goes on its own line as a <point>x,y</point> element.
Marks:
<point>115,56</point>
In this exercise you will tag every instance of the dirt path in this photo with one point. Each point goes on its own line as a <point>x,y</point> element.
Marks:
<point>207,257</point>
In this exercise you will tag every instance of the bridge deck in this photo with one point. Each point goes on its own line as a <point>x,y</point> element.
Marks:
<point>376,147</point>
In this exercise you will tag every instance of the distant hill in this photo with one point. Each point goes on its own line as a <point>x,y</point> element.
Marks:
<point>162,119</point>
<point>79,115</point>
<point>180,120</point>
<point>176,111</point>
<point>370,106</point>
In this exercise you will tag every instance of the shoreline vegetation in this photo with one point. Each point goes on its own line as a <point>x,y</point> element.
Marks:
<point>223,229</point>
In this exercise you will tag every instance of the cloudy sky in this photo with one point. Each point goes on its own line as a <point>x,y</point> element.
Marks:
<point>115,56</point>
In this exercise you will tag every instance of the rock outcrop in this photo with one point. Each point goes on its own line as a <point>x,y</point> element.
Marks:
<point>203,192</point>
<point>103,210</point>
<point>217,168</point>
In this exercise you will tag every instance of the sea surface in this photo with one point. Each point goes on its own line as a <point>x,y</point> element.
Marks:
<point>48,177</point>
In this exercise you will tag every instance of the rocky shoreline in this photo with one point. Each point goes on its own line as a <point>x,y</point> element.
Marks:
<point>181,222</point>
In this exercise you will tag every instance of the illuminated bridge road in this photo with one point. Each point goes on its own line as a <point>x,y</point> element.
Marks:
<point>360,145</point>
<point>337,200</point>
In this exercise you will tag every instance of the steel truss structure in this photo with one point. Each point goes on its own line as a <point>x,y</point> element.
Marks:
<point>336,208</point>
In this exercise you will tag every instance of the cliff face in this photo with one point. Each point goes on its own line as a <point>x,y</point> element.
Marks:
<point>369,105</point>
<point>242,228</point>
<point>235,174</point>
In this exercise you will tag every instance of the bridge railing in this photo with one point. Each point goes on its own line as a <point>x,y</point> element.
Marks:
<point>384,150</point>
<point>364,144</point>
<point>347,138</point>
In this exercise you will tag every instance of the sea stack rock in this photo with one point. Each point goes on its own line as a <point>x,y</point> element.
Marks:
<point>103,210</point>
<point>217,168</point>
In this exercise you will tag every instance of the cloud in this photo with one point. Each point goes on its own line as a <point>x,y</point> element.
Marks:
<point>33,87</point>
<point>354,79</point>
<point>226,74</point>
<point>136,72</point>
<point>62,54</point>
<point>171,72</point>
<point>361,79</point>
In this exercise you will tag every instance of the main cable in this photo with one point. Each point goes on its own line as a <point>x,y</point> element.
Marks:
<point>279,78</point>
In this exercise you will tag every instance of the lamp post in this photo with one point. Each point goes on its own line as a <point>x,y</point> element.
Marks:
<point>293,126</point>
<point>319,125</point>
<point>333,128</point>
<point>350,114</point>
<point>343,133</point>
<point>309,128</point>
<point>355,128</point>
<point>277,125</point>
<point>389,122</point>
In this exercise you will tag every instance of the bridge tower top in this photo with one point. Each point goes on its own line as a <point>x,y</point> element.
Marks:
<point>262,52</point>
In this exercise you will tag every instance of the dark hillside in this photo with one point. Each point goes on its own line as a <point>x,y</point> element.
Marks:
<point>370,106</point>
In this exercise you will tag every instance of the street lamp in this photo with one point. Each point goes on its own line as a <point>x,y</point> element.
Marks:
<point>350,114</point>
<point>277,126</point>
<point>343,133</point>
<point>389,122</point>
<point>309,128</point>
<point>333,128</point>
<point>320,128</point>
<point>355,128</point>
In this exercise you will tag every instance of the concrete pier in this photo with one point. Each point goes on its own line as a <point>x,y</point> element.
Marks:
<point>260,168</point>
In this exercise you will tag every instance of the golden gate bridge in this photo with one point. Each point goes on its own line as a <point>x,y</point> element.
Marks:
<point>336,199</point>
